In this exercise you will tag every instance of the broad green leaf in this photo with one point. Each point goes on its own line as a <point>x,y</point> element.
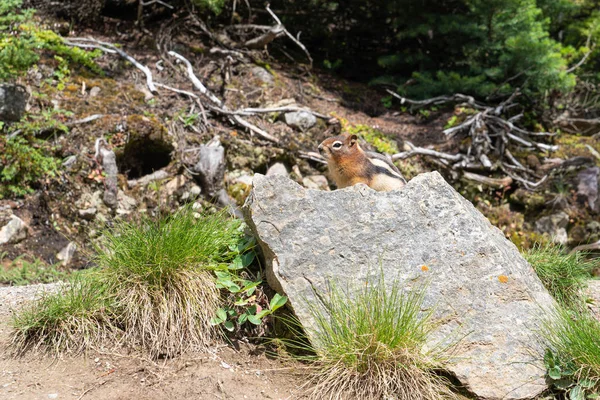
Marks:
<point>242,319</point>
<point>587,383</point>
<point>241,302</point>
<point>563,384</point>
<point>221,314</point>
<point>277,301</point>
<point>248,258</point>
<point>263,313</point>
<point>577,393</point>
<point>554,373</point>
<point>236,264</point>
<point>229,326</point>
<point>254,319</point>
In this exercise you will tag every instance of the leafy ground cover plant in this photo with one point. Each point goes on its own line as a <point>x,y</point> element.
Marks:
<point>370,345</point>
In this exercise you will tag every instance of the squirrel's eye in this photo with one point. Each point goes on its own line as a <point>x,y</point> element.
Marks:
<point>337,145</point>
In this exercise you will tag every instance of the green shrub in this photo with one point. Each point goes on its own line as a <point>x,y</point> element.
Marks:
<point>22,165</point>
<point>564,275</point>
<point>370,345</point>
<point>23,40</point>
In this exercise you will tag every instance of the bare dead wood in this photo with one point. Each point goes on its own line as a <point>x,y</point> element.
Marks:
<point>311,155</point>
<point>101,45</point>
<point>415,151</point>
<point>289,35</point>
<point>586,247</point>
<point>217,103</point>
<point>261,41</point>
<point>493,182</point>
<point>438,100</point>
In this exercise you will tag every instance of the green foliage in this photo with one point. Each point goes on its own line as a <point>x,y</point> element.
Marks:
<point>22,272</point>
<point>564,275</point>
<point>376,138</point>
<point>573,358</point>
<point>369,343</point>
<point>22,164</point>
<point>426,48</point>
<point>241,303</point>
<point>215,6</point>
<point>22,41</point>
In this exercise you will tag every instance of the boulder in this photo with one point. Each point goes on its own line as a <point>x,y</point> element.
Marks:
<point>13,100</point>
<point>486,296</point>
<point>14,231</point>
<point>301,120</point>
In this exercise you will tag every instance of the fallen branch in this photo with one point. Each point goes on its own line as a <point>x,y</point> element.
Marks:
<point>494,182</point>
<point>587,247</point>
<point>288,34</point>
<point>415,151</point>
<point>103,45</point>
<point>311,155</point>
<point>218,105</point>
<point>438,100</point>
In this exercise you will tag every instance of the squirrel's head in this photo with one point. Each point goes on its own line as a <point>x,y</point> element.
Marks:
<point>338,146</point>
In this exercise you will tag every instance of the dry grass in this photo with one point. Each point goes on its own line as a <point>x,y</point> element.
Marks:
<point>154,289</point>
<point>370,345</point>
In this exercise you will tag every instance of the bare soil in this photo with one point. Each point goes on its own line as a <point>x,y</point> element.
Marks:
<point>224,373</point>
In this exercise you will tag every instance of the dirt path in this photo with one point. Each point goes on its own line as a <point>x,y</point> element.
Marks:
<point>225,374</point>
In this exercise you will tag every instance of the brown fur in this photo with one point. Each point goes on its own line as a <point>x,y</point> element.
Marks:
<point>349,164</point>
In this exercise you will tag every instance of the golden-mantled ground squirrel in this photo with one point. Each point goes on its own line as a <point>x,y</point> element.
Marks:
<point>349,164</point>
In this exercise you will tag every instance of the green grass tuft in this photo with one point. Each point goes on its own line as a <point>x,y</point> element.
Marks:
<point>155,288</point>
<point>70,320</point>
<point>564,275</point>
<point>573,355</point>
<point>372,345</point>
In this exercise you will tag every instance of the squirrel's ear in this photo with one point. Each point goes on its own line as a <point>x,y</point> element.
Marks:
<point>353,139</point>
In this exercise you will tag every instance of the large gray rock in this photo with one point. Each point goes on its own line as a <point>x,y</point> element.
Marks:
<point>480,285</point>
<point>13,100</point>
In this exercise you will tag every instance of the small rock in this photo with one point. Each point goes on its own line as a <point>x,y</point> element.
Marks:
<point>555,225</point>
<point>262,74</point>
<point>109,164</point>
<point>125,204</point>
<point>174,185</point>
<point>13,101</point>
<point>211,167</point>
<point>67,253</point>
<point>14,231</point>
<point>195,191</point>
<point>88,213</point>
<point>301,120</point>
<point>533,162</point>
<point>318,182</point>
<point>53,395</point>
<point>277,169</point>
<point>69,161</point>
<point>94,91</point>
